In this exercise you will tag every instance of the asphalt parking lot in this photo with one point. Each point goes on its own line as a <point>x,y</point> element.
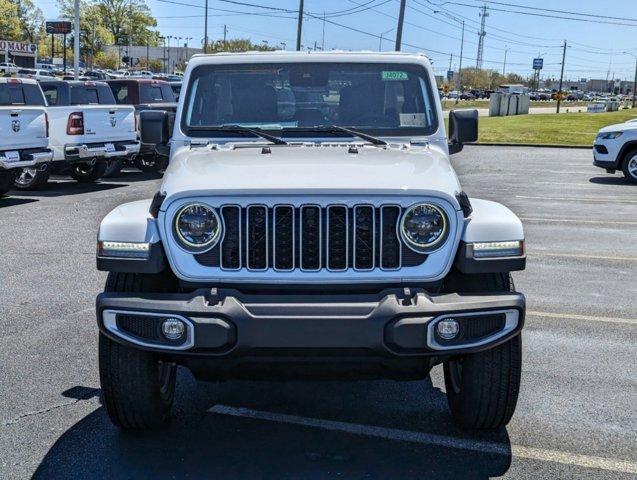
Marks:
<point>577,414</point>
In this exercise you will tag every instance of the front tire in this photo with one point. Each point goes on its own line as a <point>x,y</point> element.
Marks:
<point>87,173</point>
<point>137,386</point>
<point>482,388</point>
<point>629,166</point>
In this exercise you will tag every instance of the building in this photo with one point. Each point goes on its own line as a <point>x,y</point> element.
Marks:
<point>23,54</point>
<point>171,57</point>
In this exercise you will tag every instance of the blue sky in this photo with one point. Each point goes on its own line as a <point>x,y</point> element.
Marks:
<point>595,48</point>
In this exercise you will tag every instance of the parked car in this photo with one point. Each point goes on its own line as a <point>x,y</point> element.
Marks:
<point>357,257</point>
<point>615,148</point>
<point>176,87</point>
<point>35,73</point>
<point>87,130</point>
<point>24,130</point>
<point>8,67</point>
<point>145,94</point>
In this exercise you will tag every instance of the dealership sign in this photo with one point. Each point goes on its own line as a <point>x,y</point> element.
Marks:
<point>60,27</point>
<point>538,63</point>
<point>18,48</point>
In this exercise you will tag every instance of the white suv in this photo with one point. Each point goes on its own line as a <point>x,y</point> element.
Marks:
<point>615,148</point>
<point>310,224</point>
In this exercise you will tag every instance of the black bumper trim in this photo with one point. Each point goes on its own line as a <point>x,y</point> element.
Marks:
<point>308,323</point>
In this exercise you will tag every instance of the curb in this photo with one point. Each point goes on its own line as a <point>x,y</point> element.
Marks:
<point>535,145</point>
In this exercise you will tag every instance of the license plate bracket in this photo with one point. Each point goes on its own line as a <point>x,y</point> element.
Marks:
<point>12,156</point>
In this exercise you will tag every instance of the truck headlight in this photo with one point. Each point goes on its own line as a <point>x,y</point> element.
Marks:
<point>609,135</point>
<point>197,227</point>
<point>423,227</point>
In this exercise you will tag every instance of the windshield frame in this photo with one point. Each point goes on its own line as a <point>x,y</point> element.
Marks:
<point>305,132</point>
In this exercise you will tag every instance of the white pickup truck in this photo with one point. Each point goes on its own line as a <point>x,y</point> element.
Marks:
<point>24,130</point>
<point>87,131</point>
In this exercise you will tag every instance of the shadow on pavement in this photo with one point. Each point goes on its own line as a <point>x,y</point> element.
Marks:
<point>62,188</point>
<point>11,201</point>
<point>608,180</point>
<point>197,444</point>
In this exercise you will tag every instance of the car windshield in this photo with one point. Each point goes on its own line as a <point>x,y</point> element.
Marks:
<point>383,99</point>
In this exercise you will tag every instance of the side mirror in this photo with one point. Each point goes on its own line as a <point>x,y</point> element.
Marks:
<point>154,130</point>
<point>463,128</point>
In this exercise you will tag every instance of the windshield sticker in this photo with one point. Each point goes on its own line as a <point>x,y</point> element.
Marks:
<point>388,76</point>
<point>413,120</point>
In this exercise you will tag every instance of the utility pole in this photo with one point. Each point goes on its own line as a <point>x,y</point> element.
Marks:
<point>225,33</point>
<point>450,61</point>
<point>635,82</point>
<point>299,26</point>
<point>399,30</point>
<point>76,41</point>
<point>323,36</point>
<point>559,92</point>
<point>205,30</point>
<point>460,67</point>
<point>481,34</point>
<point>504,65</point>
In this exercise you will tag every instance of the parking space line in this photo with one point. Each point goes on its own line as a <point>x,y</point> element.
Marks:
<point>579,199</point>
<point>588,318</point>
<point>576,220</point>
<point>519,451</point>
<point>542,253</point>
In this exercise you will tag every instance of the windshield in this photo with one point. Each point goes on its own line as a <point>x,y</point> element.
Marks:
<point>383,99</point>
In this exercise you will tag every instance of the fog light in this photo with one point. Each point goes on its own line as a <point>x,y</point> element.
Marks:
<point>448,328</point>
<point>173,329</point>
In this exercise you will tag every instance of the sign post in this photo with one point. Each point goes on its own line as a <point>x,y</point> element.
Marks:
<point>538,64</point>
<point>58,27</point>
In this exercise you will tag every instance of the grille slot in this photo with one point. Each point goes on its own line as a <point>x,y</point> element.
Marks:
<point>311,233</point>
<point>311,238</point>
<point>283,237</point>
<point>337,238</point>
<point>257,237</point>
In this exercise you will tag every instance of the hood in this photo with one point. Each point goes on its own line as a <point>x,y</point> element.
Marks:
<point>629,125</point>
<point>320,169</point>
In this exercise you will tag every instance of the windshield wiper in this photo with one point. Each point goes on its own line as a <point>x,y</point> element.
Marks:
<point>240,129</point>
<point>338,129</point>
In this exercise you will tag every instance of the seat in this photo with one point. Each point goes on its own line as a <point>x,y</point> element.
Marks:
<point>254,103</point>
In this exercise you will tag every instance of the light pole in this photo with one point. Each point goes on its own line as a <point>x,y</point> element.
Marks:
<point>169,37</point>
<point>187,39</point>
<point>504,64</point>
<point>380,42</point>
<point>179,51</point>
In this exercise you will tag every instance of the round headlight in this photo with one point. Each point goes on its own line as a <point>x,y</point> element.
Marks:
<point>423,226</point>
<point>197,227</point>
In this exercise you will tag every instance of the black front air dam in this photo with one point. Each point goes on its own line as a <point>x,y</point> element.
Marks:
<point>228,324</point>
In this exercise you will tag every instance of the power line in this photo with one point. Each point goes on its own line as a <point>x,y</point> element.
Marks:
<point>566,12</point>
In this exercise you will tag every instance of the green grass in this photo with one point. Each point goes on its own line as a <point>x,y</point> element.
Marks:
<point>451,104</point>
<point>562,129</point>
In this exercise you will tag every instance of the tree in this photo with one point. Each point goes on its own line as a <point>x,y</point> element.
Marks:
<point>31,21</point>
<point>236,45</point>
<point>129,21</point>
<point>9,21</point>
<point>107,60</point>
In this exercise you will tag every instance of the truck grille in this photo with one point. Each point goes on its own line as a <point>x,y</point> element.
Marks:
<point>310,238</point>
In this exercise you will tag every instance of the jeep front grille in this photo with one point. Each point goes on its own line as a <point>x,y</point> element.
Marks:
<point>310,238</point>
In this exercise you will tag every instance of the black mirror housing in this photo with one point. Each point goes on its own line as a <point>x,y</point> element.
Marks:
<point>463,128</point>
<point>154,128</point>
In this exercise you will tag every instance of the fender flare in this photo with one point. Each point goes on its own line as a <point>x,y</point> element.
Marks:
<point>489,222</point>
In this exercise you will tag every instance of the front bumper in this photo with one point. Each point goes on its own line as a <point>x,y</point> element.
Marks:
<point>606,154</point>
<point>101,150</point>
<point>28,158</point>
<point>228,324</point>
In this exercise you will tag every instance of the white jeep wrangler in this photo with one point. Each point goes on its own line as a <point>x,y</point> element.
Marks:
<point>310,224</point>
